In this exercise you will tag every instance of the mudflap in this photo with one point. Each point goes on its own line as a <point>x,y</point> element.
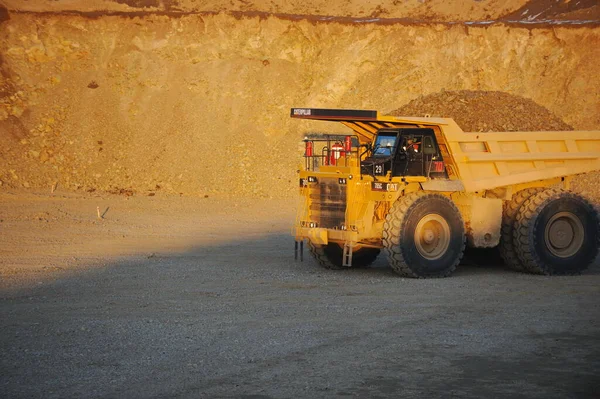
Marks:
<point>299,250</point>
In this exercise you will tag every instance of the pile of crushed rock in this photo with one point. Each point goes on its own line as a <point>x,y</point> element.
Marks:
<point>485,111</point>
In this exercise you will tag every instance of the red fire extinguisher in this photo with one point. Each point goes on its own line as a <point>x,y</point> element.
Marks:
<point>308,151</point>
<point>336,152</point>
<point>348,144</point>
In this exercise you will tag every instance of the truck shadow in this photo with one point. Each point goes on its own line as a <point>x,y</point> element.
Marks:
<point>258,257</point>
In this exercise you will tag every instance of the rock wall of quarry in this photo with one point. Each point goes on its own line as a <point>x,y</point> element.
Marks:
<point>199,104</point>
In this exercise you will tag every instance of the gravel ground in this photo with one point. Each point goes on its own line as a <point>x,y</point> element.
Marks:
<point>188,297</point>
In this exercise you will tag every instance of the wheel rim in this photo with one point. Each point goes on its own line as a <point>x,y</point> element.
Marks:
<point>564,234</point>
<point>432,236</point>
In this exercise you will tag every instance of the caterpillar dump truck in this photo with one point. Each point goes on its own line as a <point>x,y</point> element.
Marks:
<point>421,189</point>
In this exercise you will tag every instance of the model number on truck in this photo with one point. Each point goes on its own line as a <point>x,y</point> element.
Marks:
<point>376,186</point>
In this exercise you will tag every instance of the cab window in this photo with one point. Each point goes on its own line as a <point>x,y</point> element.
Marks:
<point>384,146</point>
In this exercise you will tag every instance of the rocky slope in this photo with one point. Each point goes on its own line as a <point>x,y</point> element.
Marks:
<point>198,103</point>
<point>424,11</point>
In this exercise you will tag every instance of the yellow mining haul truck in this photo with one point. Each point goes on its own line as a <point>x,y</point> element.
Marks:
<point>421,189</point>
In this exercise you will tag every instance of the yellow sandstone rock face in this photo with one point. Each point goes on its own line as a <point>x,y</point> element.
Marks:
<point>200,103</point>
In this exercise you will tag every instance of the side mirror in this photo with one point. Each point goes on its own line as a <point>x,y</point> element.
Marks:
<point>428,147</point>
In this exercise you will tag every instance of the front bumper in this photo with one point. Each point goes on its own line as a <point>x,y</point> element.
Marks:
<point>321,236</point>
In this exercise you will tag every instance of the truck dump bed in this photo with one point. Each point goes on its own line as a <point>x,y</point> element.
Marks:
<point>490,160</point>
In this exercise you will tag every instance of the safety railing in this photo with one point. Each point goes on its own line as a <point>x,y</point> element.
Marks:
<point>330,150</point>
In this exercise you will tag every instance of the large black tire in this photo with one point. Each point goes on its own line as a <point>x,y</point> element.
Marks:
<point>424,236</point>
<point>330,256</point>
<point>557,232</point>
<point>509,215</point>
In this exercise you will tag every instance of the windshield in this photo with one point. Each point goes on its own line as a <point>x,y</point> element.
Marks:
<point>384,145</point>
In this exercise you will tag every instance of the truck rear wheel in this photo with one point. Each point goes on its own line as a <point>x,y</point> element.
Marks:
<point>509,215</point>
<point>330,256</point>
<point>557,232</point>
<point>424,236</point>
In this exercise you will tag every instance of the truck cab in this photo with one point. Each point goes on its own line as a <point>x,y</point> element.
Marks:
<point>404,152</point>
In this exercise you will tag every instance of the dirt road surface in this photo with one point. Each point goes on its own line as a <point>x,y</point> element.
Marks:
<point>200,297</point>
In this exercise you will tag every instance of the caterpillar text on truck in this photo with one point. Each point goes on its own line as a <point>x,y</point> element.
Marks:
<point>421,189</point>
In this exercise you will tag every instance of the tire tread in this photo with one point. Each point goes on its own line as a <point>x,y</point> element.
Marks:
<point>509,215</point>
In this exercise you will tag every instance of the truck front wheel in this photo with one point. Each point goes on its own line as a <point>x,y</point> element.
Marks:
<point>557,232</point>
<point>424,236</point>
